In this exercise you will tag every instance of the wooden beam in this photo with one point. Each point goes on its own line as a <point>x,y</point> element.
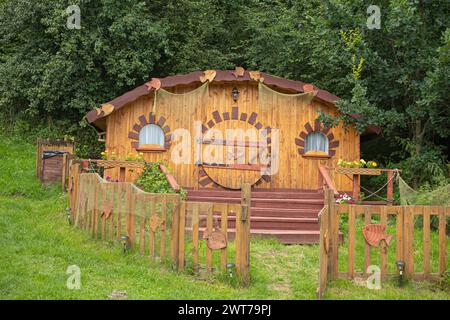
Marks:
<point>173,183</point>
<point>390,187</point>
<point>243,236</point>
<point>356,187</point>
<point>326,177</point>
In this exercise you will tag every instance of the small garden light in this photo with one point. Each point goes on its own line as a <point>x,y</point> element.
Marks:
<point>125,243</point>
<point>401,268</point>
<point>231,268</point>
<point>69,215</point>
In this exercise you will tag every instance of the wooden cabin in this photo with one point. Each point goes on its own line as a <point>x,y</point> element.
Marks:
<point>186,121</point>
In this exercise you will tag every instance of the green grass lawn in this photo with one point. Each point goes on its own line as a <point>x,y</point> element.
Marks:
<point>37,245</point>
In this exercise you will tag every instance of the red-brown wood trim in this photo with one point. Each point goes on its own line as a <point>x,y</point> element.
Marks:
<point>308,127</point>
<point>216,116</point>
<point>252,118</point>
<point>173,183</point>
<point>233,143</point>
<point>151,149</point>
<point>133,135</point>
<point>323,173</point>
<point>247,167</point>
<point>316,156</point>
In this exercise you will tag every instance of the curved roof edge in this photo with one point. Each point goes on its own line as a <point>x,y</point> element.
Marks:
<point>219,75</point>
<point>193,77</point>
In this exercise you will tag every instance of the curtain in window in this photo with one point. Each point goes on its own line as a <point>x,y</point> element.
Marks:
<point>151,134</point>
<point>316,141</point>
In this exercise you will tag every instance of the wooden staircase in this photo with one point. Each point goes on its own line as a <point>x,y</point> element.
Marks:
<point>288,215</point>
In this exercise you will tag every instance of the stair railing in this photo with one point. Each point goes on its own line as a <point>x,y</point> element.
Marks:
<point>170,178</point>
<point>325,180</point>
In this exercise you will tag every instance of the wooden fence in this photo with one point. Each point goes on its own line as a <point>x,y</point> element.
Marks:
<point>162,225</point>
<point>401,218</point>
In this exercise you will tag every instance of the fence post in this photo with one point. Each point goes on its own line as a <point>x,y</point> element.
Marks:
<point>442,240</point>
<point>333,227</point>
<point>64,172</point>
<point>324,244</point>
<point>174,233</point>
<point>408,242</point>
<point>182,226</point>
<point>243,235</point>
<point>74,181</point>
<point>390,187</point>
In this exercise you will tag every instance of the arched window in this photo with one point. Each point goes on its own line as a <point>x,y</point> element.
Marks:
<point>316,142</point>
<point>151,134</point>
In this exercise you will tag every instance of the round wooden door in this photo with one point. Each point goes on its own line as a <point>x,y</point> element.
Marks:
<point>235,150</point>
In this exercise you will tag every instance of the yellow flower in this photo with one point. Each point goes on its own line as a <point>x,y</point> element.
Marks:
<point>374,164</point>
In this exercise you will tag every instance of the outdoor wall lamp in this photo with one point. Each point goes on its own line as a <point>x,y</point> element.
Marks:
<point>125,243</point>
<point>231,268</point>
<point>401,268</point>
<point>235,94</point>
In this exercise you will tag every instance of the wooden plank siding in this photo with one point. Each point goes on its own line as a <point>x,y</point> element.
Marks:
<point>295,170</point>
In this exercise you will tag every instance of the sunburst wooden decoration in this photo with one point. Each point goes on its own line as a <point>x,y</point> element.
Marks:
<point>155,84</point>
<point>238,72</point>
<point>256,75</point>
<point>107,108</point>
<point>208,75</point>
<point>308,88</point>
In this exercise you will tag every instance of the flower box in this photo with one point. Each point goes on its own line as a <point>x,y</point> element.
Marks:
<point>107,164</point>
<point>360,171</point>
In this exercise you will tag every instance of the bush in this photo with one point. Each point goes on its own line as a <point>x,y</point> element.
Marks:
<point>153,180</point>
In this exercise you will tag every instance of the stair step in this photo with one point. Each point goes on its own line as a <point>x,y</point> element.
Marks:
<point>256,194</point>
<point>289,204</point>
<point>284,236</point>
<point>272,223</point>
<point>283,212</point>
<point>258,201</point>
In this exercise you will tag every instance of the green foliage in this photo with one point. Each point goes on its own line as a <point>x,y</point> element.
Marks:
<point>396,76</point>
<point>427,167</point>
<point>18,173</point>
<point>153,180</point>
<point>353,39</point>
<point>37,246</point>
